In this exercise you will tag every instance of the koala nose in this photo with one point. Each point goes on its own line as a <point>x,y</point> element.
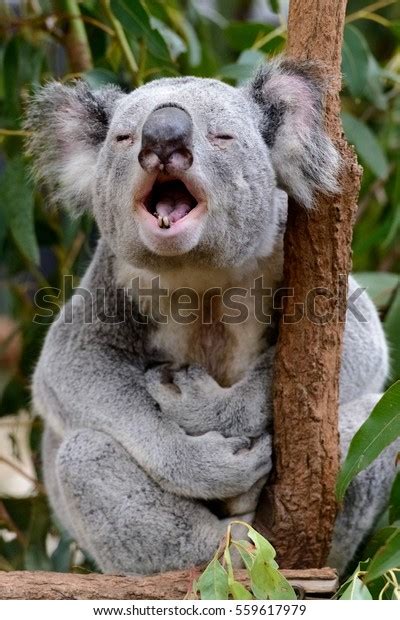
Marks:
<point>167,140</point>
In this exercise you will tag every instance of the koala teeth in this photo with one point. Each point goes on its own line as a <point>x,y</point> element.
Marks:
<point>163,221</point>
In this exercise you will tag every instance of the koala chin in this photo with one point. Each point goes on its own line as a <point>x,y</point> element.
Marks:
<point>156,400</point>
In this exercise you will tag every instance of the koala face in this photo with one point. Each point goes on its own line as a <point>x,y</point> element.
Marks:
<point>185,170</point>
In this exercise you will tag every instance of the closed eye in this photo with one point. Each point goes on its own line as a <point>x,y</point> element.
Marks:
<point>124,137</point>
<point>221,140</point>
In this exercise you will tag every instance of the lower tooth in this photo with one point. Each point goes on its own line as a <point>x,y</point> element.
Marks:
<point>160,221</point>
<point>166,221</point>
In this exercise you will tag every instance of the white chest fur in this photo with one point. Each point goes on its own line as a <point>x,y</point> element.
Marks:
<point>208,331</point>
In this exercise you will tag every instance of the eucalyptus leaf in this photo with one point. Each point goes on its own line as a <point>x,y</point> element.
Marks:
<point>36,557</point>
<point>392,329</point>
<point>387,558</point>
<point>213,583</point>
<point>136,21</point>
<point>355,59</point>
<point>367,146</point>
<point>264,549</point>
<point>239,592</point>
<point>380,285</point>
<point>246,555</point>
<point>356,591</point>
<point>16,197</point>
<point>268,583</point>
<point>378,540</point>
<point>242,35</point>
<point>381,428</point>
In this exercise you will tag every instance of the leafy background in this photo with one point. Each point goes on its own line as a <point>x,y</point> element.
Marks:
<point>130,42</point>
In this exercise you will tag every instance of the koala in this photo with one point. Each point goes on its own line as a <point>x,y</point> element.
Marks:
<point>156,399</point>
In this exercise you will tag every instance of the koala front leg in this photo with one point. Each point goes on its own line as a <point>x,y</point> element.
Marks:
<point>119,515</point>
<point>86,383</point>
<point>193,399</point>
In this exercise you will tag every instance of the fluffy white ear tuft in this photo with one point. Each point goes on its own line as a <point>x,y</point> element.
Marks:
<point>67,126</point>
<point>290,96</point>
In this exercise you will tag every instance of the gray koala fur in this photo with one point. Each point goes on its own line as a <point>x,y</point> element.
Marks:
<point>149,426</point>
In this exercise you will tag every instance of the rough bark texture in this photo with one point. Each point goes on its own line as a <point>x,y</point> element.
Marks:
<point>298,508</point>
<point>167,586</point>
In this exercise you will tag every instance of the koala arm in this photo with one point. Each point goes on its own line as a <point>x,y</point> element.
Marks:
<point>195,401</point>
<point>83,381</point>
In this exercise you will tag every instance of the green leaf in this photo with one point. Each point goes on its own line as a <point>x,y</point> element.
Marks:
<point>136,21</point>
<point>193,43</point>
<point>367,146</point>
<point>356,591</point>
<point>392,329</point>
<point>377,540</point>
<point>264,549</point>
<point>274,5</point>
<point>394,500</point>
<point>36,557</point>
<point>243,35</point>
<point>213,583</point>
<point>16,197</point>
<point>380,285</point>
<point>266,580</point>
<point>247,556</point>
<point>174,42</point>
<point>387,558</point>
<point>380,429</point>
<point>355,56</point>
<point>268,583</point>
<point>361,568</point>
<point>239,592</point>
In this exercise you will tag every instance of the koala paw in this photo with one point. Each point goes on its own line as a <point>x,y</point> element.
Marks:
<point>229,466</point>
<point>189,396</point>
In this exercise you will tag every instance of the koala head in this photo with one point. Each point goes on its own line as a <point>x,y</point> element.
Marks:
<point>185,170</point>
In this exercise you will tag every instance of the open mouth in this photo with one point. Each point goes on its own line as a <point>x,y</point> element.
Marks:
<point>169,201</point>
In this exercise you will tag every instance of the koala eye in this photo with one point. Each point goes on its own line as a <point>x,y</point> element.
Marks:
<point>124,137</point>
<point>221,140</point>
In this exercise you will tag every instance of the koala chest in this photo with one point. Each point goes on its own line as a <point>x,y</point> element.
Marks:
<point>225,350</point>
<point>194,324</point>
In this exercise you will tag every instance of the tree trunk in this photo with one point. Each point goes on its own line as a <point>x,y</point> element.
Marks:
<point>298,508</point>
<point>174,585</point>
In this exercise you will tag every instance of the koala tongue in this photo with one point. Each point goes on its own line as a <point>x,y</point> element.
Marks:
<point>180,210</point>
<point>164,207</point>
<point>171,200</point>
<point>174,212</point>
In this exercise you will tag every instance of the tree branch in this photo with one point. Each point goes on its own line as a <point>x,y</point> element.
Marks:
<point>298,508</point>
<point>75,37</point>
<point>165,586</point>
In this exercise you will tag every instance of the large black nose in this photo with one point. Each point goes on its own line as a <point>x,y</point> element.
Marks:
<point>167,140</point>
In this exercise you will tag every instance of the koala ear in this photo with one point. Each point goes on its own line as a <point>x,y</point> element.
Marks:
<point>67,126</point>
<point>290,95</point>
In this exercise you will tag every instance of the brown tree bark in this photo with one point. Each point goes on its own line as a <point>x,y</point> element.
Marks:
<point>166,586</point>
<point>298,508</point>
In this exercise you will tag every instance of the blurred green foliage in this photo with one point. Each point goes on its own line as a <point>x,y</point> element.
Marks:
<point>129,43</point>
